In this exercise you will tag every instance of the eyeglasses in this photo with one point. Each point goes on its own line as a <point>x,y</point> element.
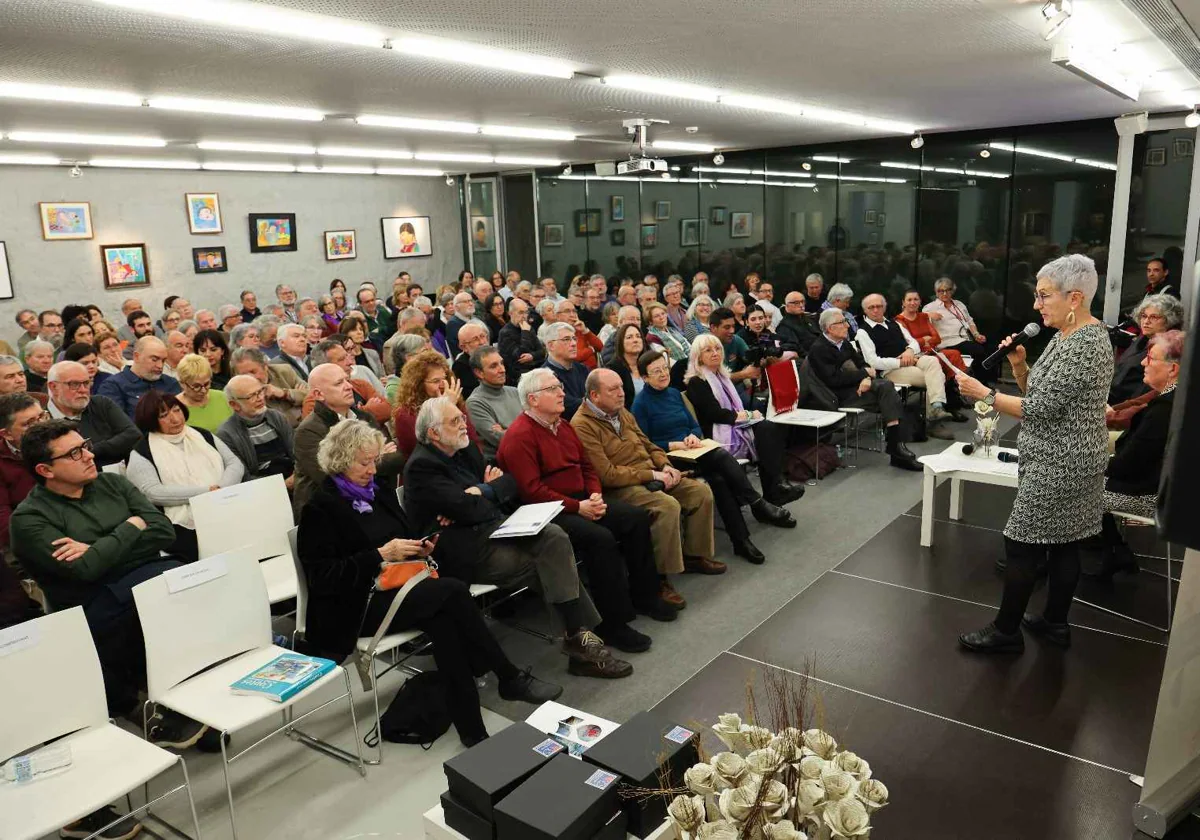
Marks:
<point>1151,316</point>
<point>557,386</point>
<point>253,395</point>
<point>81,385</point>
<point>198,386</point>
<point>75,453</point>
<point>840,323</point>
<point>456,422</point>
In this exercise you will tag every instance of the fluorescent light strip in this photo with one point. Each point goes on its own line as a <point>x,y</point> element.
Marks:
<point>454,157</point>
<point>411,123</point>
<point>763,103</point>
<point>86,139</point>
<point>142,163</point>
<point>769,172</point>
<point>1099,164</point>
<point>528,161</point>
<point>82,96</point>
<point>1025,150</point>
<point>29,160</point>
<point>356,151</point>
<point>888,164</point>
<point>1095,69</point>
<point>234,166</point>
<point>526,133</point>
<point>266,148</point>
<point>260,17</point>
<point>680,146</point>
<point>234,109</point>
<point>831,159</point>
<point>662,87</point>
<point>406,170</point>
<point>309,169</point>
<point>868,178</point>
<point>481,56</point>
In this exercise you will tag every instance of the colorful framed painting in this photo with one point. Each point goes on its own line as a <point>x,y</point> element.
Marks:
<point>204,213</point>
<point>616,236</point>
<point>587,222</point>
<point>741,225</point>
<point>65,220</point>
<point>209,260</point>
<point>552,236</point>
<point>125,266</point>
<point>692,232</point>
<point>616,208</point>
<point>483,233</point>
<point>340,245</point>
<point>6,287</point>
<point>406,236</point>
<point>270,232</point>
<point>717,215</point>
<point>662,210</point>
<point>649,236</point>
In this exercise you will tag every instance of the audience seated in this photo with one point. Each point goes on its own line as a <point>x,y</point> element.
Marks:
<point>759,336</point>
<point>470,338</point>
<point>27,320</point>
<point>85,354</point>
<point>920,326</point>
<point>626,315</point>
<point>518,344</point>
<point>798,327</point>
<point>839,297</point>
<point>464,311</point>
<point>108,349</point>
<point>561,344</point>
<point>1155,314</point>
<point>293,348</point>
<point>286,391</point>
<point>366,396</point>
<point>211,344</point>
<point>145,374</point>
<point>587,344</point>
<point>425,376</point>
<point>361,351</point>
<point>260,437</point>
<point>698,314</point>
<point>957,328</point>
<point>493,406</point>
<point>744,376</point>
<point>629,340</point>
<point>39,356</point>
<point>612,539</point>
<point>661,332</point>
<point>51,327</point>
<point>111,431</point>
<point>206,406</point>
<point>18,412</point>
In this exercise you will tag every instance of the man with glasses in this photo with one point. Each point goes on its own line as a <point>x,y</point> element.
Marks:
<point>51,327</point>
<point>178,346</point>
<point>286,296</point>
<point>259,436</point>
<point>286,392</point>
<point>764,294</point>
<point>560,343</point>
<point>797,328</point>
<point>146,372</point>
<point>470,338</point>
<point>464,312</point>
<point>18,412</point>
<point>100,419</point>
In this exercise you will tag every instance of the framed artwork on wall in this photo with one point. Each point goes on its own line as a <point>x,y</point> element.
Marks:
<point>204,213</point>
<point>209,260</point>
<point>6,289</point>
<point>662,210</point>
<point>868,217</point>
<point>692,232</point>
<point>552,236</point>
<point>483,233</point>
<point>587,222</point>
<point>125,266</point>
<point>716,215</point>
<point>741,225</point>
<point>1156,156</point>
<point>340,245</point>
<point>616,236</point>
<point>649,236</point>
<point>406,236</point>
<point>270,232</point>
<point>882,219</point>
<point>873,238</point>
<point>616,208</point>
<point>1184,147</point>
<point>65,220</point>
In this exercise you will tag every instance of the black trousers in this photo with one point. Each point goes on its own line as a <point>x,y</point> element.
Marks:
<point>463,646</point>
<point>1025,561</point>
<point>770,439</point>
<point>619,559</point>
<point>731,489</point>
<point>882,397</point>
<point>186,547</point>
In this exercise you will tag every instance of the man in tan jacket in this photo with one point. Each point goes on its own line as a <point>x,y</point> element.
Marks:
<point>681,509</point>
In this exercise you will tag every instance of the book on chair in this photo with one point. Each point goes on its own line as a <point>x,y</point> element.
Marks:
<point>284,677</point>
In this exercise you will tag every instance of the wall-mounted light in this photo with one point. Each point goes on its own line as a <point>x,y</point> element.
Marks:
<point>917,142</point>
<point>1192,120</point>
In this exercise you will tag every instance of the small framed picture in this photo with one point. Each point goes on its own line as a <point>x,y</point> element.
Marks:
<point>587,222</point>
<point>340,245</point>
<point>406,236</point>
<point>868,217</point>
<point>616,208</point>
<point>209,260</point>
<point>1184,147</point>
<point>881,219</point>
<point>716,215</point>
<point>616,236</point>
<point>873,238</point>
<point>662,210</point>
<point>692,232</point>
<point>65,220</point>
<point>483,233</point>
<point>649,236</point>
<point>552,236</point>
<point>270,232</point>
<point>125,266</point>
<point>204,213</point>
<point>741,225</point>
<point>6,287</point>
<point>1156,156</point>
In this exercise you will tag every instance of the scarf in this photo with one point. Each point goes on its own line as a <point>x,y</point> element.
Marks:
<point>739,442</point>
<point>186,460</point>
<point>675,346</point>
<point>359,497</point>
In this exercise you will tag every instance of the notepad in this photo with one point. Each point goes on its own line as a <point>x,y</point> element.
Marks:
<point>528,521</point>
<point>707,445</point>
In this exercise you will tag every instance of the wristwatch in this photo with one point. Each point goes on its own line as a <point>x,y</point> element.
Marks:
<point>990,399</point>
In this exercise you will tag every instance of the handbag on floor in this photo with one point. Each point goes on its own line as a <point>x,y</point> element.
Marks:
<point>418,714</point>
<point>800,461</point>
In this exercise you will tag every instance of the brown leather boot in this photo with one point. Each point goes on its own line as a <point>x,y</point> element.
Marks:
<point>703,566</point>
<point>590,658</point>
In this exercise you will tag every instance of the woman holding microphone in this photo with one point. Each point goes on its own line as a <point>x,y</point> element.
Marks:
<point>1063,446</point>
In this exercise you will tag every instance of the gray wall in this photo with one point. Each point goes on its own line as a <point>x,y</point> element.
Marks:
<point>147,206</point>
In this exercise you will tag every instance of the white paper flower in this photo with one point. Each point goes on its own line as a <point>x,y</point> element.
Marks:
<point>687,812</point>
<point>730,769</point>
<point>820,743</point>
<point>783,830</point>
<point>838,784</point>
<point>757,737</point>
<point>730,730</point>
<point>873,794</point>
<point>982,408</point>
<point>764,762</point>
<point>701,778</point>
<point>719,830</point>
<point>812,766</point>
<point>788,743</point>
<point>852,764</point>
<point>810,794</point>
<point>847,818</point>
<point>775,800</point>
<point>737,803</point>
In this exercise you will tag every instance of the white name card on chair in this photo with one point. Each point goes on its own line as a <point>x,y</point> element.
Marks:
<point>21,637</point>
<point>195,574</point>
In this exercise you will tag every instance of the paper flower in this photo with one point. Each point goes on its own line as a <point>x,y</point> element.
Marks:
<point>737,803</point>
<point>812,766</point>
<point>847,818</point>
<point>730,769</point>
<point>820,743</point>
<point>852,764</point>
<point>774,800</point>
<point>982,408</point>
<point>873,794</point>
<point>810,794</point>
<point>719,830</point>
<point>838,784</point>
<point>757,737</point>
<point>788,743</point>
<point>764,762</point>
<point>730,730</point>
<point>687,812</point>
<point>783,830</point>
<point>701,779</point>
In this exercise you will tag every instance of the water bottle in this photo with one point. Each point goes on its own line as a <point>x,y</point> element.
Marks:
<point>839,452</point>
<point>47,761</point>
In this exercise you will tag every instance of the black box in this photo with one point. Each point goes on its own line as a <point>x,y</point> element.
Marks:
<point>614,829</point>
<point>465,821</point>
<point>636,751</point>
<point>483,775</point>
<point>567,799</point>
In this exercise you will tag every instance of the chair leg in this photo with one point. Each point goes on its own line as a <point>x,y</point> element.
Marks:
<point>187,781</point>
<point>1169,609</point>
<point>228,785</point>
<point>378,720</point>
<point>362,766</point>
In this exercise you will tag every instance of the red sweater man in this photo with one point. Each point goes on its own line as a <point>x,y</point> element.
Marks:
<point>548,466</point>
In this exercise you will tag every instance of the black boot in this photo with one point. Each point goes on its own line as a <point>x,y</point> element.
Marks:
<point>900,454</point>
<point>783,493</point>
<point>748,550</point>
<point>1055,634</point>
<point>770,514</point>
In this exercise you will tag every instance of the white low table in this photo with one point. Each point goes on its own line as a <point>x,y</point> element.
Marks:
<point>952,465</point>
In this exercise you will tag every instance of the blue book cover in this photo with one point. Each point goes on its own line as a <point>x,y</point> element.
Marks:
<point>284,676</point>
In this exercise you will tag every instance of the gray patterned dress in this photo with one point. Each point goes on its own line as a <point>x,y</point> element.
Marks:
<point>1063,442</point>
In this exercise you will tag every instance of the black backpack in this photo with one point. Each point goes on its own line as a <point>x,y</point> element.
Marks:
<point>417,714</point>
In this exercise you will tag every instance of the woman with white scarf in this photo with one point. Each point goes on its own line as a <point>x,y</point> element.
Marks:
<point>175,462</point>
<point>722,418</point>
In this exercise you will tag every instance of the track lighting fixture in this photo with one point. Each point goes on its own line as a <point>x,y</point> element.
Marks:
<point>917,142</point>
<point>1192,120</point>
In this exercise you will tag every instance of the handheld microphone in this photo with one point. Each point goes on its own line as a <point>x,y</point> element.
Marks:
<point>1008,457</point>
<point>1020,338</point>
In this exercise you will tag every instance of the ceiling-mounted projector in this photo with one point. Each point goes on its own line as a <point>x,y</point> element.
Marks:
<point>636,166</point>
<point>638,130</point>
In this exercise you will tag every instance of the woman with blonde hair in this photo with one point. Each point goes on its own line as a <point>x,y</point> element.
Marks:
<point>661,332</point>
<point>425,375</point>
<point>207,408</point>
<point>697,316</point>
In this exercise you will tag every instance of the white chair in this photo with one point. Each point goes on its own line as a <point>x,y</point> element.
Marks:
<point>203,638</point>
<point>55,689</point>
<point>257,514</point>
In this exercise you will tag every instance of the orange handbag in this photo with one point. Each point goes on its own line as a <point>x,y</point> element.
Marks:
<point>395,575</point>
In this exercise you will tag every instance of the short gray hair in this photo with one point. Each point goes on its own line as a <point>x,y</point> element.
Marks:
<point>284,329</point>
<point>550,331</point>
<point>339,448</point>
<point>430,414</point>
<point>319,355</point>
<point>944,283</point>
<point>1170,308</point>
<point>839,291</point>
<point>481,353</point>
<point>281,287</point>
<point>1072,273</point>
<point>242,354</point>
<point>421,300</point>
<point>6,361</point>
<point>407,314</point>
<point>57,369</point>
<point>827,318</point>
<point>565,302</point>
<point>524,286</point>
<point>184,326</point>
<point>545,305</point>
<point>699,299</point>
<point>39,344</point>
<point>200,312</point>
<point>531,382</point>
<point>226,310</point>
<point>239,332</point>
<point>266,321</point>
<point>228,390</point>
<point>814,276</point>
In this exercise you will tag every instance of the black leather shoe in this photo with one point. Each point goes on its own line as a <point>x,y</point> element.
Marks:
<point>770,514</point>
<point>956,416</point>
<point>658,609</point>
<point>623,637</point>
<point>529,689</point>
<point>990,640</point>
<point>902,457</point>
<point>1055,634</point>
<point>469,741</point>
<point>783,493</point>
<point>749,551</point>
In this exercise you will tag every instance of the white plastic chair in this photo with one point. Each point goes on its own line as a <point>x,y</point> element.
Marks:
<point>255,514</point>
<point>202,639</point>
<point>56,689</point>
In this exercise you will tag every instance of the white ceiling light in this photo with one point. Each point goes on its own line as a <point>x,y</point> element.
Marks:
<point>86,139</point>
<point>725,170</point>
<point>336,170</point>
<point>83,96</point>
<point>1096,70</point>
<point>763,103</point>
<point>851,118</point>
<point>260,17</point>
<point>830,159</point>
<point>1192,120</point>
<point>30,160</point>
<point>380,121</point>
<point>1026,150</point>
<point>918,141</point>
<point>234,109</point>
<point>889,164</point>
<point>406,170</point>
<point>869,178</point>
<point>481,56</point>
<point>238,166</point>
<point>358,151</point>
<point>1058,14</point>
<point>266,148</point>
<point>680,146</point>
<point>454,157</point>
<point>142,163</point>
<point>526,133</point>
<point>528,161</point>
<point>1098,164</point>
<point>662,87</point>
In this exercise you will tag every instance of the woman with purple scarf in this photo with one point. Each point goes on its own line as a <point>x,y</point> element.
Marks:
<point>350,530</point>
<point>719,410</point>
